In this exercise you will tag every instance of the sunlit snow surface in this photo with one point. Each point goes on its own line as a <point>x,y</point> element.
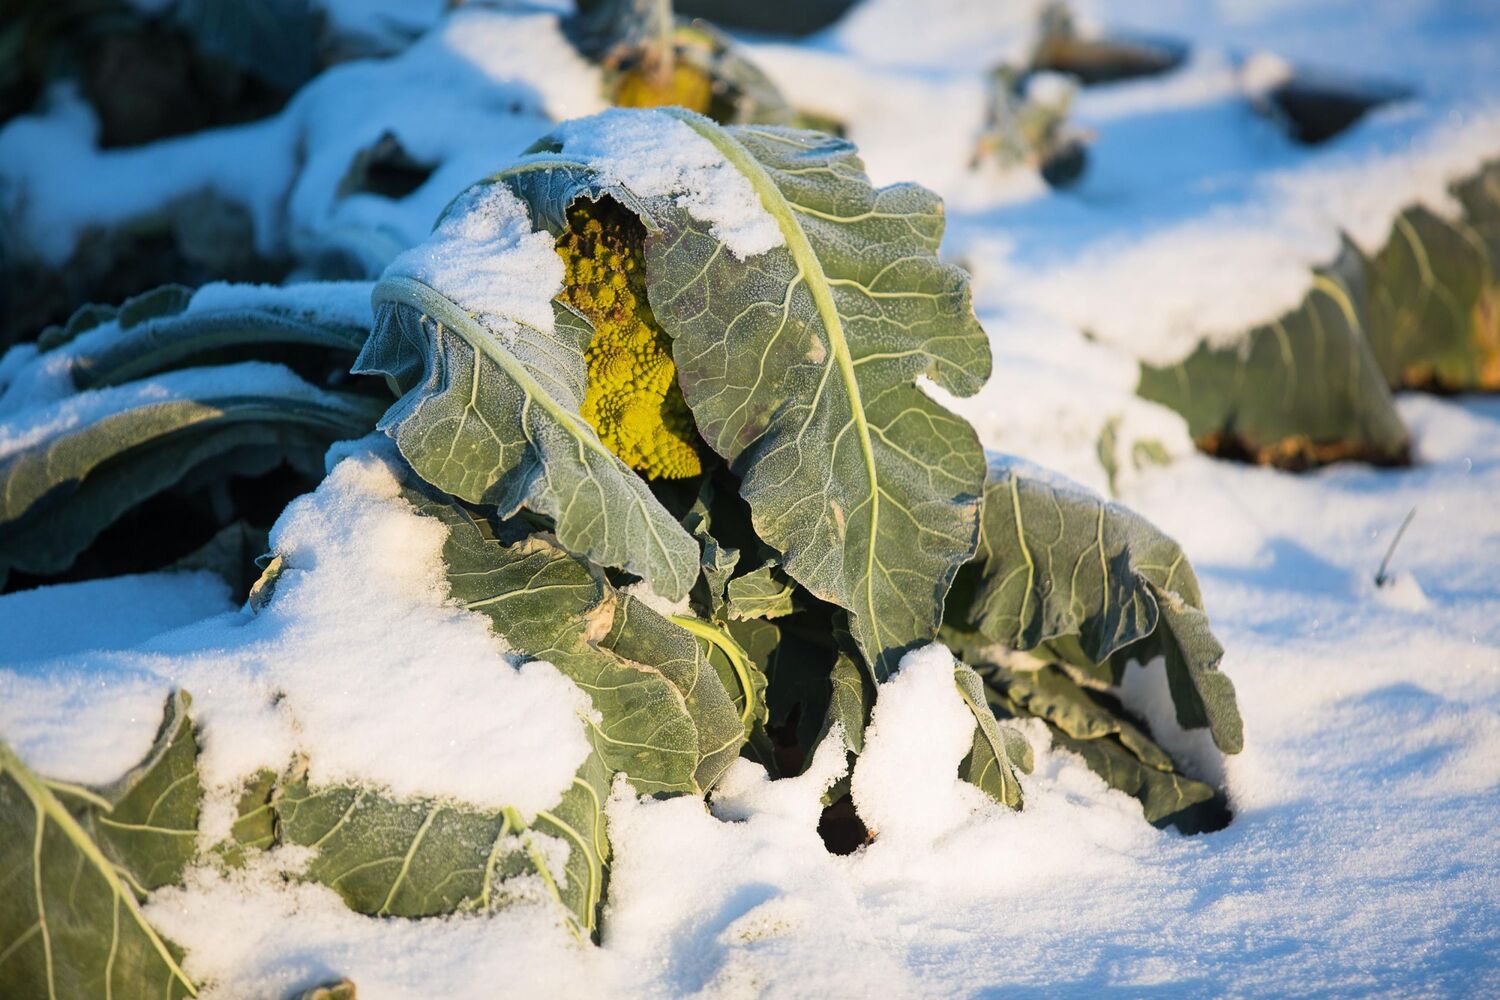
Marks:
<point>1364,857</point>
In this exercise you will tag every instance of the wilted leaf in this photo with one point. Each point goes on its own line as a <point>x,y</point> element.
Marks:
<point>160,334</point>
<point>1058,563</point>
<point>1304,389</point>
<point>997,750</point>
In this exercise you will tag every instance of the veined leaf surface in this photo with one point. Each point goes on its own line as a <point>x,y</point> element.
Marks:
<point>493,418</point>
<point>70,924</point>
<point>1059,564</point>
<point>666,719</point>
<point>997,750</point>
<point>425,858</point>
<point>799,366</point>
<point>1301,390</point>
<point>60,491</point>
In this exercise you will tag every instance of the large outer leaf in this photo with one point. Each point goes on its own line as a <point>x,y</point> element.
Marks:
<point>153,344</point>
<point>1056,562</point>
<point>426,858</point>
<point>799,365</point>
<point>1300,390</point>
<point>57,495</point>
<point>70,925</point>
<point>494,419</point>
<point>666,719</point>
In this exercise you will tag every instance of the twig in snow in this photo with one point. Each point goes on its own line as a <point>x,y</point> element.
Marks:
<point>1380,578</point>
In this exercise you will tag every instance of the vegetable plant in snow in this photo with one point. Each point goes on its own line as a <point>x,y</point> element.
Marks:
<point>656,382</point>
<point>1313,385</point>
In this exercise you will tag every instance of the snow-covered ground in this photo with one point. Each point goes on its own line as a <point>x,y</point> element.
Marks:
<point>1364,855</point>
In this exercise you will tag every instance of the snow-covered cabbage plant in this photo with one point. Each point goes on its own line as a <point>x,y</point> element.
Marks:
<point>657,389</point>
<point>1420,311</point>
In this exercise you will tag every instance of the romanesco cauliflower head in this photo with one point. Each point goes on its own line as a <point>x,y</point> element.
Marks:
<point>632,401</point>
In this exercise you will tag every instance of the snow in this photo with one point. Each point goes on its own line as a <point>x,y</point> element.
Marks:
<point>126,610</point>
<point>467,98</point>
<point>358,663</point>
<point>1364,853</point>
<point>485,257</point>
<point>657,156</point>
<point>343,302</point>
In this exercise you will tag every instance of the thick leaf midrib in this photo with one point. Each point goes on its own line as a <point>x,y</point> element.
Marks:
<point>811,271</point>
<point>46,808</point>
<point>401,290</point>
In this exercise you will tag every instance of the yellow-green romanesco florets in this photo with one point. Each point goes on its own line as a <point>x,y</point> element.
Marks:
<point>632,400</point>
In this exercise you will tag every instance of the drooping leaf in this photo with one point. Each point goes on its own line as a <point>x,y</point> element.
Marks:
<point>850,699</point>
<point>70,924</point>
<point>1097,730</point>
<point>254,826</point>
<point>1058,565</point>
<point>799,366</point>
<point>997,750</point>
<point>740,675</point>
<point>418,858</point>
<point>1301,390</point>
<point>666,720</point>
<point>74,479</point>
<point>493,418</point>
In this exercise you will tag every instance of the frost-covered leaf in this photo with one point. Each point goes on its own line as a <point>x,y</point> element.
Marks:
<point>1303,389</point>
<point>1059,565</point>
<point>151,829</point>
<point>164,333</point>
<point>1054,696</point>
<point>492,416</point>
<point>70,924</point>
<point>80,464</point>
<point>850,698</point>
<point>997,750</point>
<point>665,719</point>
<point>740,675</point>
<point>418,858</point>
<point>799,361</point>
